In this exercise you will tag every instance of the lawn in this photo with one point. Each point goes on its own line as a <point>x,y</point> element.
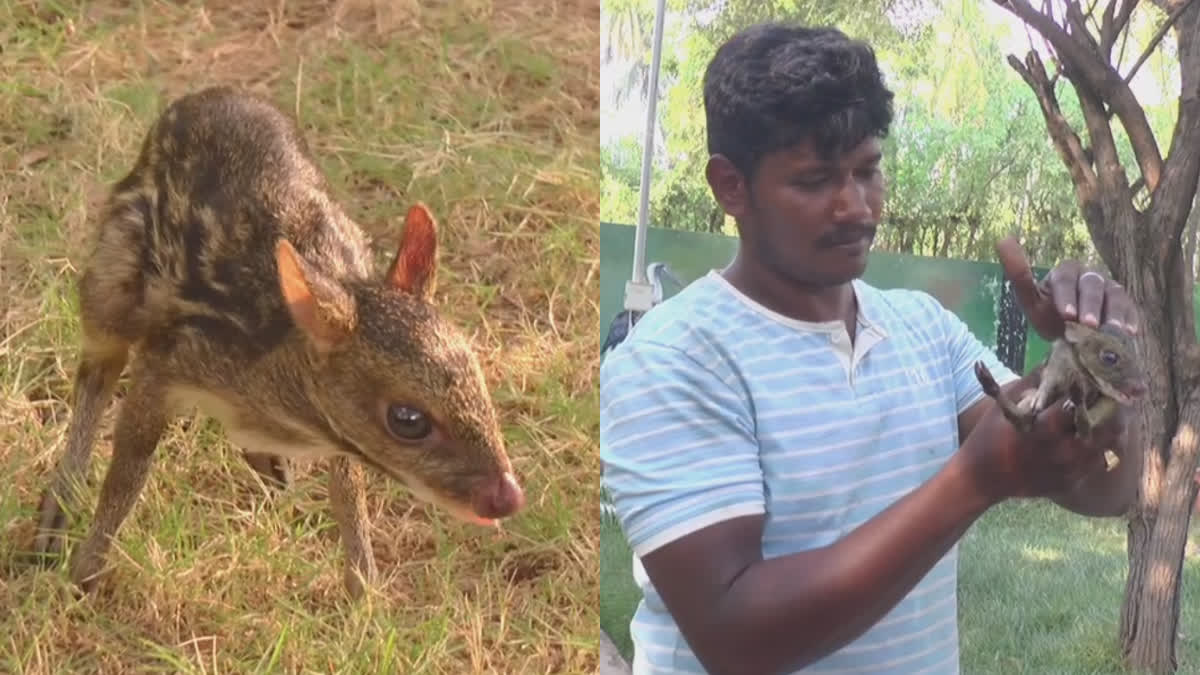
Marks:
<point>1039,592</point>
<point>486,111</point>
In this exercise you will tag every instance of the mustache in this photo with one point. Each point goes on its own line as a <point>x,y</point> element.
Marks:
<point>846,235</point>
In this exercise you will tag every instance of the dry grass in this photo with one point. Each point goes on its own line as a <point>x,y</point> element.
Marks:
<point>486,111</point>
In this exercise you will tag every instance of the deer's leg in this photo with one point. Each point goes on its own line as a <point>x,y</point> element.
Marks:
<point>139,427</point>
<point>95,379</point>
<point>274,470</point>
<point>348,498</point>
<point>1013,412</point>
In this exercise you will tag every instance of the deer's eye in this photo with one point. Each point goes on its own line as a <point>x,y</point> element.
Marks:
<point>407,423</point>
<point>1109,358</point>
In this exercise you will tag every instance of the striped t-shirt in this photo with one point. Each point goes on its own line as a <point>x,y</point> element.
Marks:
<point>716,407</point>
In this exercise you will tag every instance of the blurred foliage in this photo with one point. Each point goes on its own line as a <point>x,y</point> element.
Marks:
<point>968,159</point>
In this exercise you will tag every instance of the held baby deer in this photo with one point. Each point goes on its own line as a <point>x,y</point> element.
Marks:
<point>1096,368</point>
<point>228,278</point>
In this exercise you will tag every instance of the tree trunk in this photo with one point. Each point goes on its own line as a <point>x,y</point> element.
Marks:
<point>1189,247</point>
<point>1158,523</point>
<point>1146,252</point>
<point>1156,540</point>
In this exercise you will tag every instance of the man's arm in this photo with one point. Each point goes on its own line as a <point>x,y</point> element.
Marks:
<point>682,466</point>
<point>743,614</point>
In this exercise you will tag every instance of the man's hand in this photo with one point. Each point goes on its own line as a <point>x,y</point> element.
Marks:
<point>1069,291</point>
<point>1072,292</point>
<point>1048,461</point>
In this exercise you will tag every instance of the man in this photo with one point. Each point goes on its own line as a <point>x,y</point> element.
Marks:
<point>794,454</point>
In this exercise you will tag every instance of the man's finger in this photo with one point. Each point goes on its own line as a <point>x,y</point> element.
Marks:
<point>1133,320</point>
<point>1019,273</point>
<point>1034,298</point>
<point>1119,308</point>
<point>1065,290</point>
<point>1091,290</point>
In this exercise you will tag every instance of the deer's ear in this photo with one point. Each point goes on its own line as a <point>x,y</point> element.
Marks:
<point>414,269</point>
<point>321,308</point>
<point>1072,332</point>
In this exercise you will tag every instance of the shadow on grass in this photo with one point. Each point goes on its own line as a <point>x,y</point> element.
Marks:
<point>1040,591</point>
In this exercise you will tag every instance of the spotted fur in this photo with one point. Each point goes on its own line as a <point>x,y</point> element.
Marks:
<point>226,275</point>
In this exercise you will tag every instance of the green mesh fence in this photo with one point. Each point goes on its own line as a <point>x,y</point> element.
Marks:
<point>972,290</point>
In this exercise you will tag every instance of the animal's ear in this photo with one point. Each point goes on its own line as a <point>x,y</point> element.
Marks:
<point>321,308</point>
<point>414,270</point>
<point>1072,332</point>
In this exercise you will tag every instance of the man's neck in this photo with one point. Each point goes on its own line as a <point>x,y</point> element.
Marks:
<point>816,304</point>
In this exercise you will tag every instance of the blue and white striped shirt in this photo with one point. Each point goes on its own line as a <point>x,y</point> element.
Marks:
<point>716,407</point>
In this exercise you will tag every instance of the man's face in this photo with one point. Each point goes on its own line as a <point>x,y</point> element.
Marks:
<point>808,219</point>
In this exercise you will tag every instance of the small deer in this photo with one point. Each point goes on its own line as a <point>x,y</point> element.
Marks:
<point>226,276</point>
<point>1096,368</point>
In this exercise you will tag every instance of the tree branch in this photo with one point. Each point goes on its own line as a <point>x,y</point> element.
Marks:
<point>1158,36</point>
<point>1102,78</point>
<point>1090,15</point>
<point>1114,190</point>
<point>1078,23</point>
<point>1066,141</point>
<point>1112,27</point>
<point>1171,199</point>
<point>1107,34</point>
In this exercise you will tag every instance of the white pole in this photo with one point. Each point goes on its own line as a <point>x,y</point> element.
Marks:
<point>637,292</point>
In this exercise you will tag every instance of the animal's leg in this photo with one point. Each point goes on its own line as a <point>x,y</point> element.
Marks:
<point>141,423</point>
<point>348,498</point>
<point>112,312</point>
<point>275,471</point>
<point>1040,398</point>
<point>1087,419</point>
<point>1083,419</point>
<point>1019,419</point>
<point>1026,404</point>
<point>95,380</point>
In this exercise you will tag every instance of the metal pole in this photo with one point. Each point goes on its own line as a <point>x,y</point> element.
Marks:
<point>639,246</point>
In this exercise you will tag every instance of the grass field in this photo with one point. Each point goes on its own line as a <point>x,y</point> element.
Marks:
<point>486,111</point>
<point>1040,593</point>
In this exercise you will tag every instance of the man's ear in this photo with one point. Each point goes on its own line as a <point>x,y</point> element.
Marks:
<point>321,308</point>
<point>728,185</point>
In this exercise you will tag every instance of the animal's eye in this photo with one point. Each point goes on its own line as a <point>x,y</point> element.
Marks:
<point>407,423</point>
<point>1109,358</point>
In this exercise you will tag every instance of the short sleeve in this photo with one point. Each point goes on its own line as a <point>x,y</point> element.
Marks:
<point>965,350</point>
<point>676,443</point>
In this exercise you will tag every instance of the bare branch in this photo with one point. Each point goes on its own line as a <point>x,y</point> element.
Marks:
<point>1117,27</point>
<point>1090,15</point>
<point>1078,23</point>
<point>1171,199</point>
<point>1158,36</point>
<point>1066,141</point>
<point>1087,69</point>
<point>1114,192</point>
<point>1107,34</point>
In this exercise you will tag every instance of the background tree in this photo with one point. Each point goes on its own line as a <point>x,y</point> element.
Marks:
<point>967,161</point>
<point>1137,227</point>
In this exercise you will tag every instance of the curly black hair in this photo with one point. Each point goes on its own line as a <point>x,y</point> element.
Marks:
<point>774,85</point>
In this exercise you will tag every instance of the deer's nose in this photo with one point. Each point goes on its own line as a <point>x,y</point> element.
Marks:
<point>498,498</point>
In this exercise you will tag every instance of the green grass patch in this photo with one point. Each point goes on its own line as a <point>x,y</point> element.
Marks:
<point>480,110</point>
<point>1040,591</point>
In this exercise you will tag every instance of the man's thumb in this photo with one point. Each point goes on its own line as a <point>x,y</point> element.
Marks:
<point>1019,273</point>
